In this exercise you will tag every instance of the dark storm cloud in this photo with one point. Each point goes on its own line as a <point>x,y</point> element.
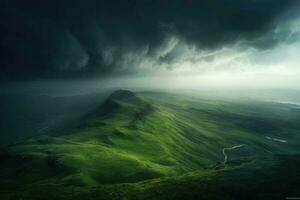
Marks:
<point>68,38</point>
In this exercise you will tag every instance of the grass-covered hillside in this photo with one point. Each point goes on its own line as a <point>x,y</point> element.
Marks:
<point>154,145</point>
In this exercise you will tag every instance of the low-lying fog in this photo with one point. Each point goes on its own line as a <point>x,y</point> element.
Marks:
<point>43,107</point>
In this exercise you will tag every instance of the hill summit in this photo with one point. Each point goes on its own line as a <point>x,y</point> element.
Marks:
<point>122,95</point>
<point>122,102</point>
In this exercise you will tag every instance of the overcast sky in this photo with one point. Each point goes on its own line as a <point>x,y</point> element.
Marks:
<point>186,43</point>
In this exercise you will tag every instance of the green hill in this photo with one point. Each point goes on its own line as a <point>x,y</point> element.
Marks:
<point>166,137</point>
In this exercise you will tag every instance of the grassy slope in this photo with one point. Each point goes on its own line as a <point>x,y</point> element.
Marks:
<point>275,177</point>
<point>133,138</point>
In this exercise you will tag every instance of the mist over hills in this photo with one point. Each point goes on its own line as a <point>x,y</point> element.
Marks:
<point>149,99</point>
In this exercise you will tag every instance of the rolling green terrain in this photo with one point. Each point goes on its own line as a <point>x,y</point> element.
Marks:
<point>154,145</point>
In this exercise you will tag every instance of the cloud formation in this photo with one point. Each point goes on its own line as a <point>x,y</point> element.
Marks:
<point>64,38</point>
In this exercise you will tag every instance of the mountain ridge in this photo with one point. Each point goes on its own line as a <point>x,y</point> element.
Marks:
<point>146,136</point>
